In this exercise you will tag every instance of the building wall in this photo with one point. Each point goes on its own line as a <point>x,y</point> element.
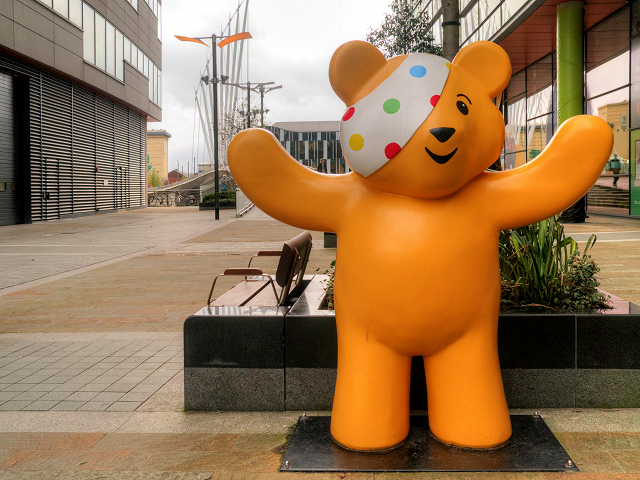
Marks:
<point>30,29</point>
<point>81,153</point>
<point>158,151</point>
<point>87,77</point>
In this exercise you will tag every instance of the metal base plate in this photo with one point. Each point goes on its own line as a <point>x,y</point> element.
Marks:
<point>532,448</point>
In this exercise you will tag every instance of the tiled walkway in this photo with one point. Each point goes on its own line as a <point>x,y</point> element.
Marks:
<point>85,372</point>
<point>91,382</point>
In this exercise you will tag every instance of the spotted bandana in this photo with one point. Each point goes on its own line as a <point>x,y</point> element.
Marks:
<point>375,129</point>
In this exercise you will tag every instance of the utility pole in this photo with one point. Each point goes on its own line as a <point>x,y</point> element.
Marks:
<point>248,104</point>
<point>450,28</point>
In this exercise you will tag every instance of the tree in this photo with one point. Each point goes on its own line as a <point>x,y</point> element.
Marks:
<point>402,33</point>
<point>234,124</point>
<point>155,180</point>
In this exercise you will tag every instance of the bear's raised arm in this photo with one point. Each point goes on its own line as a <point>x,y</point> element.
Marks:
<point>282,187</point>
<point>565,170</point>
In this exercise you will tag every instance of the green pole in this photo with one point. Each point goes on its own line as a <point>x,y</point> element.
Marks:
<point>570,58</point>
<point>570,54</point>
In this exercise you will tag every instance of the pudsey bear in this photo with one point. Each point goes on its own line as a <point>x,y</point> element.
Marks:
<point>418,221</point>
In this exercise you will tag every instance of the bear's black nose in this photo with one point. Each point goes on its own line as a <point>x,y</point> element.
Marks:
<point>442,134</point>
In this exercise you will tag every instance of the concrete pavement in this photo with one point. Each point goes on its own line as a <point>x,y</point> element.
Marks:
<point>91,313</point>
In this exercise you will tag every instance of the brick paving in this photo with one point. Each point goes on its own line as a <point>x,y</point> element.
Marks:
<point>91,314</point>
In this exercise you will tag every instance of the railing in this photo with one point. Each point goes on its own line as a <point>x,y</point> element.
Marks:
<point>243,204</point>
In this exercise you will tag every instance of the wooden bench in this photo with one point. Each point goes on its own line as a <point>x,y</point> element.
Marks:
<point>233,347</point>
<point>253,290</point>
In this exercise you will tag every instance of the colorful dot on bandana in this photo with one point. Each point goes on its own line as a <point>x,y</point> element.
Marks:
<point>434,100</point>
<point>418,71</point>
<point>348,114</point>
<point>391,106</point>
<point>392,150</point>
<point>448,66</point>
<point>356,142</point>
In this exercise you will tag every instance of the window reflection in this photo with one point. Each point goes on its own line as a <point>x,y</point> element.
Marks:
<point>613,108</point>
<point>540,103</point>
<point>608,76</point>
<point>539,132</point>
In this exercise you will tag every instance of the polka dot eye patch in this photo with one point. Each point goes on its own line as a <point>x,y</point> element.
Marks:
<point>376,128</point>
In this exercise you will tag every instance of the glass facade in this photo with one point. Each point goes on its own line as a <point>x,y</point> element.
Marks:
<point>612,92</point>
<point>607,95</point>
<point>479,19</point>
<point>108,48</point>
<point>529,112</point>
<point>309,147</point>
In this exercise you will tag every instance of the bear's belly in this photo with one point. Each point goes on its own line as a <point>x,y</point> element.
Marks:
<point>417,298</point>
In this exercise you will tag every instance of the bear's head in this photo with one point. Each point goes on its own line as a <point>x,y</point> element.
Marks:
<point>416,125</point>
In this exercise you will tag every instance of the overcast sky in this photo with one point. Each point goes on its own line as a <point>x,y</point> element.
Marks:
<point>292,44</point>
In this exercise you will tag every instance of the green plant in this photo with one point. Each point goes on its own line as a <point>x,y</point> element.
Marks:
<point>541,269</point>
<point>328,284</point>
<point>224,196</point>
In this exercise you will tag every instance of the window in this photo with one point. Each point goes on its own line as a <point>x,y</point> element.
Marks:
<point>75,12</point>
<point>111,49</point>
<point>62,7</point>
<point>101,26</point>
<point>608,76</point>
<point>127,49</point>
<point>120,55</point>
<point>89,42</point>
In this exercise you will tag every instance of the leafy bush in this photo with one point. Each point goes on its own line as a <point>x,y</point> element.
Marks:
<point>328,284</point>
<point>542,270</point>
<point>224,196</point>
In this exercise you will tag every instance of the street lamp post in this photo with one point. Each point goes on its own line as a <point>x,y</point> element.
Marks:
<point>258,88</point>
<point>214,79</point>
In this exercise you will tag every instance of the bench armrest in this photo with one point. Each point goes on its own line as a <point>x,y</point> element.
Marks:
<point>265,253</point>
<point>243,271</point>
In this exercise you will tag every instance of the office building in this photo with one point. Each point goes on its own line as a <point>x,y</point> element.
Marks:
<point>79,80</point>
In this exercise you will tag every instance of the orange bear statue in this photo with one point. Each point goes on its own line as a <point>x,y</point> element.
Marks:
<point>418,221</point>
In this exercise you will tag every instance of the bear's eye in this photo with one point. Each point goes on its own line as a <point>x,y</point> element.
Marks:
<point>462,107</point>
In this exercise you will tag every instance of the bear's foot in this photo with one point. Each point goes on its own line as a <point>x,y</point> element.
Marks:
<point>370,438</point>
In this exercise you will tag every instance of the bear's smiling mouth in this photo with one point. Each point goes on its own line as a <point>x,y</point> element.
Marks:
<point>440,159</point>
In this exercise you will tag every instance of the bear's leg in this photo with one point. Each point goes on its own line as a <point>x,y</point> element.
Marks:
<point>371,402</point>
<point>467,406</point>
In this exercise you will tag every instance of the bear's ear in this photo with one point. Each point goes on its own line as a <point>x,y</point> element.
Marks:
<point>488,63</point>
<point>353,66</point>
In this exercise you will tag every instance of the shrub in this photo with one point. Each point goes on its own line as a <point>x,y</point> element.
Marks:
<point>542,270</point>
<point>224,196</point>
<point>328,284</point>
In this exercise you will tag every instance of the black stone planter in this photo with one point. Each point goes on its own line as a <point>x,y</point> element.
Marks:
<point>584,360</point>
<point>212,206</point>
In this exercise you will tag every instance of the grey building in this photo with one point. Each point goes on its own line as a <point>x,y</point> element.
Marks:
<point>79,79</point>
<point>310,141</point>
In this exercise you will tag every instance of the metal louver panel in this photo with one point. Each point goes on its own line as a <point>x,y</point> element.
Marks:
<point>57,158</point>
<point>8,201</point>
<point>122,161</point>
<point>104,154</point>
<point>84,150</point>
<point>138,129</point>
